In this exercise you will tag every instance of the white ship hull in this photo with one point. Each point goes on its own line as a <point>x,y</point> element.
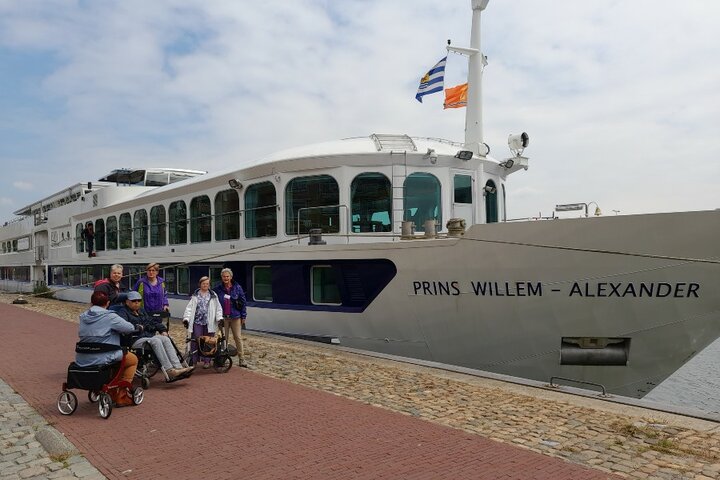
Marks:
<point>502,298</point>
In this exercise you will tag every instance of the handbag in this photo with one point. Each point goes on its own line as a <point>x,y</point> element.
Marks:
<point>207,346</point>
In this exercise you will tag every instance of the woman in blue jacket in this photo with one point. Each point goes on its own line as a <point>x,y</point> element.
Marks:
<point>100,325</point>
<point>232,300</point>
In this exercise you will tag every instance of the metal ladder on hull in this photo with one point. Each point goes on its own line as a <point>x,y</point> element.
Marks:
<point>397,145</point>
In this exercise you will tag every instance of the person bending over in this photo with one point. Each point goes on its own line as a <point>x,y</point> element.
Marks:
<point>161,344</point>
<point>100,325</point>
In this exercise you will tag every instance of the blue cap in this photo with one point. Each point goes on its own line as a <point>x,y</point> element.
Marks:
<point>134,296</point>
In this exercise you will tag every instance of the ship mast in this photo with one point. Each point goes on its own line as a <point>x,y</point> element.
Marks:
<point>476,63</point>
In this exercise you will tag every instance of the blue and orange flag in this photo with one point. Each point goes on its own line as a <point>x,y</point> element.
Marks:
<point>432,81</point>
<point>456,97</point>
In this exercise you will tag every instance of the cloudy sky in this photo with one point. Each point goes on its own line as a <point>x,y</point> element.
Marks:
<point>621,98</point>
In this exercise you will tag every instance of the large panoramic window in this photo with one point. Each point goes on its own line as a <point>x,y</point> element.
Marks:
<point>200,219</point>
<point>140,228</point>
<point>178,222</point>
<point>491,202</point>
<point>125,230</point>
<point>99,235</point>
<point>227,215</point>
<point>422,200</point>
<point>312,202</point>
<point>371,199</point>
<point>324,286</point>
<point>260,210</point>
<point>157,226</point>
<point>112,233</point>
<point>79,243</point>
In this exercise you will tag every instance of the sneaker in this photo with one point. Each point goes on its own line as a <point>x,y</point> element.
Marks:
<point>173,372</point>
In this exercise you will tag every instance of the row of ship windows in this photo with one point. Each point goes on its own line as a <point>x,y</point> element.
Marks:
<point>18,274</point>
<point>323,280</point>
<point>310,202</point>
<point>10,246</point>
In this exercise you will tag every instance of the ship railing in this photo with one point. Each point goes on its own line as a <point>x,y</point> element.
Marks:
<point>582,382</point>
<point>530,219</point>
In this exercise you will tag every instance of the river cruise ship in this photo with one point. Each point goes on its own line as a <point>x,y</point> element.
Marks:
<point>397,244</point>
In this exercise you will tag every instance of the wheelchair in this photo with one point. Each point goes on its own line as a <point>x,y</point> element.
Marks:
<point>148,364</point>
<point>98,380</point>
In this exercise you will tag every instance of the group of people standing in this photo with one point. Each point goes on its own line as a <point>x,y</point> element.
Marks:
<point>122,317</point>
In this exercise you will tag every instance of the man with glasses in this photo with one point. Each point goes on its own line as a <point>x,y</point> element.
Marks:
<point>161,344</point>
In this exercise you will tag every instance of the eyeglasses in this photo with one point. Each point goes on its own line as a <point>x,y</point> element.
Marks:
<point>136,301</point>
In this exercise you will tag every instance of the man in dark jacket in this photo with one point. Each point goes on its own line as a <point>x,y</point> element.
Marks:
<point>161,344</point>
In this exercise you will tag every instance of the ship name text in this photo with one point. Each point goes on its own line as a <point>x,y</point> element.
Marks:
<point>576,289</point>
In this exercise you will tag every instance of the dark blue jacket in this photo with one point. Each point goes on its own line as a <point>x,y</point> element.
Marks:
<point>150,325</point>
<point>234,307</point>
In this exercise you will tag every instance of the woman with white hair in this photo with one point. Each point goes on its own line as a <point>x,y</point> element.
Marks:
<point>232,299</point>
<point>202,315</point>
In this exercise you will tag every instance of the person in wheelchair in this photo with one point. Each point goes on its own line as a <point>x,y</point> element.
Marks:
<point>100,325</point>
<point>161,344</point>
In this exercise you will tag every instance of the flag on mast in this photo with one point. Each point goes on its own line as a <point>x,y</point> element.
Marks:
<point>432,81</point>
<point>456,97</point>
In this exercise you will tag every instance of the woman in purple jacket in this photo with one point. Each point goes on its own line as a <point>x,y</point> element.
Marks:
<point>232,300</point>
<point>151,288</point>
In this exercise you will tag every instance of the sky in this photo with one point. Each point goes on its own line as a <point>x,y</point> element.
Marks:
<point>621,99</point>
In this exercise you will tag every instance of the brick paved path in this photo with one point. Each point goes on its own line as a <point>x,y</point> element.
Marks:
<point>242,423</point>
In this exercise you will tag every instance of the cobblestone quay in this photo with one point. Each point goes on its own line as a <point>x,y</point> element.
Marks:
<point>627,442</point>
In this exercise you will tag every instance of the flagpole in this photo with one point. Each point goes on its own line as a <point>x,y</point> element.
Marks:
<point>476,62</point>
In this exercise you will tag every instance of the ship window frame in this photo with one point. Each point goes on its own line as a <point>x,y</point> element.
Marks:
<point>79,242</point>
<point>140,232</point>
<point>200,220</point>
<point>111,235</point>
<point>492,214</point>
<point>227,222</point>
<point>99,235</point>
<point>177,224</point>
<point>170,277</point>
<point>462,192</point>
<point>261,213</point>
<point>504,203</point>
<point>315,187</point>
<point>134,274</point>
<point>125,231</point>
<point>314,289</point>
<point>262,288</point>
<point>368,224</point>
<point>158,226</point>
<point>214,272</point>
<point>416,216</point>
<point>183,280</point>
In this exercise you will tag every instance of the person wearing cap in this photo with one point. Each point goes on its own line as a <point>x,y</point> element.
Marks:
<point>161,344</point>
<point>151,288</point>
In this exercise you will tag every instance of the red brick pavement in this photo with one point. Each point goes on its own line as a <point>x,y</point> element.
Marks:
<point>224,426</point>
